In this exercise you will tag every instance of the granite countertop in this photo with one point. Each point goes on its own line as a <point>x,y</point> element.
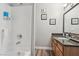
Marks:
<point>66,42</point>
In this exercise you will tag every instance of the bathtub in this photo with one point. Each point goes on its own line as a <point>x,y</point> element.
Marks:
<point>27,53</point>
<point>24,53</point>
<point>14,53</point>
<point>4,52</point>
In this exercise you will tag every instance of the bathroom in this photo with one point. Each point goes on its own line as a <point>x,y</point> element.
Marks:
<point>26,28</point>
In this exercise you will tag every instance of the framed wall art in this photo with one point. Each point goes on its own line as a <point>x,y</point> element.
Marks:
<point>43,16</point>
<point>52,21</point>
<point>74,21</point>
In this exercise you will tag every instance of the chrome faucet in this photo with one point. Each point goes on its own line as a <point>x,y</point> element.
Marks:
<point>67,35</point>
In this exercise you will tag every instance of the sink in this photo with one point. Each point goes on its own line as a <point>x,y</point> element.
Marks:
<point>75,40</point>
<point>62,38</point>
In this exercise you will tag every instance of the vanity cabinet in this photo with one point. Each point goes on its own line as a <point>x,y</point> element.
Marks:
<point>59,49</point>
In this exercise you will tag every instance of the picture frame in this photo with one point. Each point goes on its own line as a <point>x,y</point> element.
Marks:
<point>43,16</point>
<point>52,21</point>
<point>74,21</point>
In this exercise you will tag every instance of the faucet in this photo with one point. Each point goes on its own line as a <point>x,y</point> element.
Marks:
<point>64,35</point>
<point>67,35</point>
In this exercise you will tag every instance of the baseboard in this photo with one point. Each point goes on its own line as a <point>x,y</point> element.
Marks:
<point>47,48</point>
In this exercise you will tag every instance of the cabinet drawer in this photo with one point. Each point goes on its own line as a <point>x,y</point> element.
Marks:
<point>60,46</point>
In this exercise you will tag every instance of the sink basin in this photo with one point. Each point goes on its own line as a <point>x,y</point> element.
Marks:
<point>62,38</point>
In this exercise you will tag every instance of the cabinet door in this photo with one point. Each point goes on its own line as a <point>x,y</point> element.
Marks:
<point>60,46</point>
<point>58,52</point>
<point>54,48</point>
<point>71,51</point>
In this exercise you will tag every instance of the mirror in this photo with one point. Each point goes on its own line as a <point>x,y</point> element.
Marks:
<point>71,17</point>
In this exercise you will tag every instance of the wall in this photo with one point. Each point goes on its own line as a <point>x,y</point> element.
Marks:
<point>74,13</point>
<point>42,28</point>
<point>6,25</point>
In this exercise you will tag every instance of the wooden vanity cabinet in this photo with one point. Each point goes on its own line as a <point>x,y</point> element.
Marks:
<point>59,49</point>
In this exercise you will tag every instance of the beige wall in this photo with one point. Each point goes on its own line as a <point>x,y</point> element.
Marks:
<point>43,30</point>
